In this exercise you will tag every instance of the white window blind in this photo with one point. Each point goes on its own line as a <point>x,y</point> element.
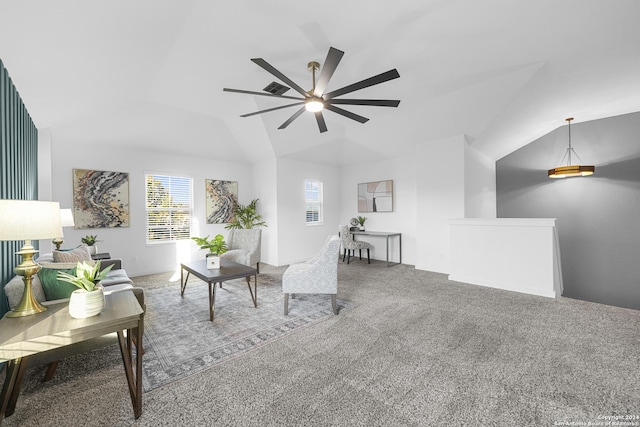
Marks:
<point>313,201</point>
<point>169,208</point>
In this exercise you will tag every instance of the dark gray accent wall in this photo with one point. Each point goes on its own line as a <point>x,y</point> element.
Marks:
<point>18,166</point>
<point>598,216</point>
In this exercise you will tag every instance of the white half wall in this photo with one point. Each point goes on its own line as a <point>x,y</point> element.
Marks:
<point>514,254</point>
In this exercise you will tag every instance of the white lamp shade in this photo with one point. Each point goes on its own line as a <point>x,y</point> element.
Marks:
<point>29,220</point>
<point>66,216</point>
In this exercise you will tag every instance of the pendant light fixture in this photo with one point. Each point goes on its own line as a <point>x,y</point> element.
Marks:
<point>570,170</point>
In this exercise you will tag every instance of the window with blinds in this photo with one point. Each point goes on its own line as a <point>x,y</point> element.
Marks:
<point>169,205</point>
<point>313,201</point>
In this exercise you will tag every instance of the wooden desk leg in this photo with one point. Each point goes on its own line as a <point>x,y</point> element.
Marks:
<point>134,382</point>
<point>11,387</point>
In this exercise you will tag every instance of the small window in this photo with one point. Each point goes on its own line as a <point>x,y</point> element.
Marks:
<point>313,201</point>
<point>169,208</point>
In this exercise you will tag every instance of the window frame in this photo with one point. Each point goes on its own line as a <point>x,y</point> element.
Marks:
<point>318,203</point>
<point>173,209</point>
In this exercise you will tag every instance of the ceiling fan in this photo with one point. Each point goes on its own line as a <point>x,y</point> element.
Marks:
<point>316,100</point>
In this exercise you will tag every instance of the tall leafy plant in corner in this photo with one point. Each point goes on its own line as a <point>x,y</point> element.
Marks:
<point>246,216</point>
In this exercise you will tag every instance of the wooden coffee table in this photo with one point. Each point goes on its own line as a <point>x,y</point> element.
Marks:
<point>228,270</point>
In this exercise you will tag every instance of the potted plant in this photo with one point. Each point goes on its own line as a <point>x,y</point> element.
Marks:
<point>361,220</point>
<point>88,300</point>
<point>216,247</point>
<point>246,216</point>
<point>90,241</point>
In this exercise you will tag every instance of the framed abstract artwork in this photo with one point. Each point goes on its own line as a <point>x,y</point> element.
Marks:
<point>100,199</point>
<point>375,196</point>
<point>221,198</point>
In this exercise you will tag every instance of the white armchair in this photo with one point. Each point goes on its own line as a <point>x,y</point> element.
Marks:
<point>319,275</point>
<point>244,246</point>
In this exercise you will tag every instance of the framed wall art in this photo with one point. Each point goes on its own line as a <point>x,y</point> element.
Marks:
<point>375,196</point>
<point>221,198</point>
<point>100,199</point>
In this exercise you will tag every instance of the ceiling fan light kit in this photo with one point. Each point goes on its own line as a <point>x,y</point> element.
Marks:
<point>570,170</point>
<point>314,105</point>
<point>316,100</point>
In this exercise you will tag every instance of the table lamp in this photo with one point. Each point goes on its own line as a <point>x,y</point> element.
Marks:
<point>66,217</point>
<point>28,220</point>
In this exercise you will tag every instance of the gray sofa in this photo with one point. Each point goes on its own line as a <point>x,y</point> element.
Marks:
<point>116,279</point>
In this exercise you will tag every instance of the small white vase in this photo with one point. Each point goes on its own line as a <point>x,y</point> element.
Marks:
<point>83,304</point>
<point>93,249</point>
<point>213,261</point>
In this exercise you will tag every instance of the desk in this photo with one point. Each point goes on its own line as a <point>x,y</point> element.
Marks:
<point>386,234</point>
<point>228,270</point>
<point>22,337</point>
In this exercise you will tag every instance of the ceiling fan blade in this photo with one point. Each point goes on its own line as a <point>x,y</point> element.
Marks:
<point>248,92</point>
<point>330,64</point>
<point>292,118</point>
<point>380,78</point>
<point>264,64</point>
<point>320,119</point>
<point>272,109</point>
<point>376,102</point>
<point>346,113</point>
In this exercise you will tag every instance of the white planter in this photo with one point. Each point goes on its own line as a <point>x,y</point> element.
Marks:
<point>93,249</point>
<point>83,304</point>
<point>213,261</point>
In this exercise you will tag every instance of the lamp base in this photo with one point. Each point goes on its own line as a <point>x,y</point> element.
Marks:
<point>57,241</point>
<point>28,304</point>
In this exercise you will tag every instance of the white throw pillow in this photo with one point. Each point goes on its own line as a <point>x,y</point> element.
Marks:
<point>81,253</point>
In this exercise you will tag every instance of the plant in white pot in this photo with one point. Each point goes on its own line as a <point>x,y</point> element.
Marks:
<point>361,220</point>
<point>90,241</point>
<point>88,300</point>
<point>216,247</point>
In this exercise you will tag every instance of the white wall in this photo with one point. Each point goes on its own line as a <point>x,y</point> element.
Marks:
<point>479,184</point>
<point>265,183</point>
<point>403,218</point>
<point>296,240</point>
<point>130,243</point>
<point>444,179</point>
<point>440,180</point>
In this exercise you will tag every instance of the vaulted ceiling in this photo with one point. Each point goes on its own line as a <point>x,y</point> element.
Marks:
<point>150,73</point>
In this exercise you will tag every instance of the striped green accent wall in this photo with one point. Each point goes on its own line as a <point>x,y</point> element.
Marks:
<point>18,166</point>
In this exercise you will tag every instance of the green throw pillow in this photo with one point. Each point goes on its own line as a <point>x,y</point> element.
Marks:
<point>54,288</point>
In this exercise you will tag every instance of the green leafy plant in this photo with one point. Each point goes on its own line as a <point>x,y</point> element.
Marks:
<point>246,216</point>
<point>90,240</point>
<point>87,275</point>
<point>215,246</point>
<point>361,220</point>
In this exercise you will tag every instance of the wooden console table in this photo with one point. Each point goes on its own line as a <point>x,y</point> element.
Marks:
<point>23,337</point>
<point>387,234</point>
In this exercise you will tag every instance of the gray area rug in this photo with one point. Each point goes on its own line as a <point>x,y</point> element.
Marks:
<point>180,340</point>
